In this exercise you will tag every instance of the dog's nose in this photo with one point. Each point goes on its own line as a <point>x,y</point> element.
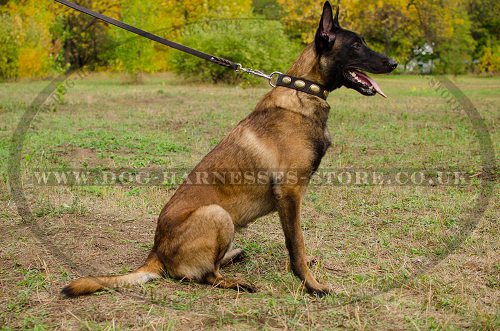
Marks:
<point>393,64</point>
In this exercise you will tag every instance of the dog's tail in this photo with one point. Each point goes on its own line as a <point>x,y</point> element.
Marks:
<point>151,269</point>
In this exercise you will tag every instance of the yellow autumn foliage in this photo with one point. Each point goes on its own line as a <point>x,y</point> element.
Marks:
<point>489,62</point>
<point>33,20</point>
<point>33,62</point>
<point>42,36</point>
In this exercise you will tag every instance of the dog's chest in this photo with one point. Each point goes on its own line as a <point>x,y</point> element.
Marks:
<point>253,207</point>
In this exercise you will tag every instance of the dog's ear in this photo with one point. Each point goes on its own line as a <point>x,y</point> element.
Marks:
<point>328,26</point>
<point>336,18</point>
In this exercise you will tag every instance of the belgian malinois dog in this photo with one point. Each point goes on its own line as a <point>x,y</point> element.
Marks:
<point>288,132</point>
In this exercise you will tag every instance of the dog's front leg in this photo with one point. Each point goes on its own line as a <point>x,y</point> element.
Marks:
<point>288,203</point>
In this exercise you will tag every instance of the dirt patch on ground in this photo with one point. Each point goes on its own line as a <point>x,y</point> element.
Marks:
<point>78,157</point>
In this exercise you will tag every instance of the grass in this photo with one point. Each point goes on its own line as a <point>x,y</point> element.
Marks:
<point>364,239</point>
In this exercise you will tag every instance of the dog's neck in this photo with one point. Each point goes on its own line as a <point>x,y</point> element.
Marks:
<point>305,67</point>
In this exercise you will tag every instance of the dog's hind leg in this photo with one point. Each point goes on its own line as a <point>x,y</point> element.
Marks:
<point>200,244</point>
<point>217,280</point>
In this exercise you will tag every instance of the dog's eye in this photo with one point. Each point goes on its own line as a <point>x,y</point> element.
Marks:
<point>356,45</point>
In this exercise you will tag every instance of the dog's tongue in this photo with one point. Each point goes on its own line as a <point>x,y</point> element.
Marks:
<point>372,82</point>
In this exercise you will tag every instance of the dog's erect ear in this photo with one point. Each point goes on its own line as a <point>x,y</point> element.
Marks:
<point>328,26</point>
<point>336,18</point>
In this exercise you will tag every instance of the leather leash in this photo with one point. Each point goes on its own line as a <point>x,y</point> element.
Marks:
<point>288,81</point>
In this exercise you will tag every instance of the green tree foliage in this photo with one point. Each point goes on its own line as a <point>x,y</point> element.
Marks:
<point>455,54</point>
<point>137,55</point>
<point>489,60</point>
<point>132,54</point>
<point>301,18</point>
<point>390,26</point>
<point>9,49</point>
<point>447,27</point>
<point>485,28</point>
<point>36,52</point>
<point>270,9</point>
<point>84,39</point>
<point>250,43</point>
<point>484,15</point>
<point>397,27</point>
<point>41,37</point>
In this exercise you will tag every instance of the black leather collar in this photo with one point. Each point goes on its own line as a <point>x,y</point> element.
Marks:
<point>302,85</point>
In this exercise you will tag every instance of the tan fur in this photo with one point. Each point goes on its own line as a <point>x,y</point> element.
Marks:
<point>286,131</point>
<point>284,138</point>
<point>151,269</point>
<point>259,149</point>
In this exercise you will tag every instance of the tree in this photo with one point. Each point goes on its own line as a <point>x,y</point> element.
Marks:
<point>133,54</point>
<point>301,18</point>
<point>270,9</point>
<point>32,21</point>
<point>489,60</point>
<point>252,45</point>
<point>389,26</point>
<point>138,55</point>
<point>84,39</point>
<point>447,27</point>
<point>9,55</point>
<point>486,32</point>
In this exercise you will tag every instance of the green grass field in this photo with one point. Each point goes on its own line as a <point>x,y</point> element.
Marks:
<point>368,241</point>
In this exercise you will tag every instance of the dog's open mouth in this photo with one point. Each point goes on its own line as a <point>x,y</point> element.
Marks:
<point>363,83</point>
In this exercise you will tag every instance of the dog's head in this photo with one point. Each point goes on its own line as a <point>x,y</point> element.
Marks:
<point>343,56</point>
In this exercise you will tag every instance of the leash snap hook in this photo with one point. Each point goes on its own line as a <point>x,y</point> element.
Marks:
<point>258,73</point>
<point>271,81</point>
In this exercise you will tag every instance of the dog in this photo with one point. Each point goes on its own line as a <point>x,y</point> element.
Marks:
<point>288,132</point>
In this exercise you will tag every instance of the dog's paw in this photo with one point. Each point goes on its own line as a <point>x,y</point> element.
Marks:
<point>247,287</point>
<point>320,291</point>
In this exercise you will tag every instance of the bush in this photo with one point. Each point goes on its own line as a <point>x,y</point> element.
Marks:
<point>9,59</point>
<point>134,54</point>
<point>455,52</point>
<point>256,43</point>
<point>489,62</point>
